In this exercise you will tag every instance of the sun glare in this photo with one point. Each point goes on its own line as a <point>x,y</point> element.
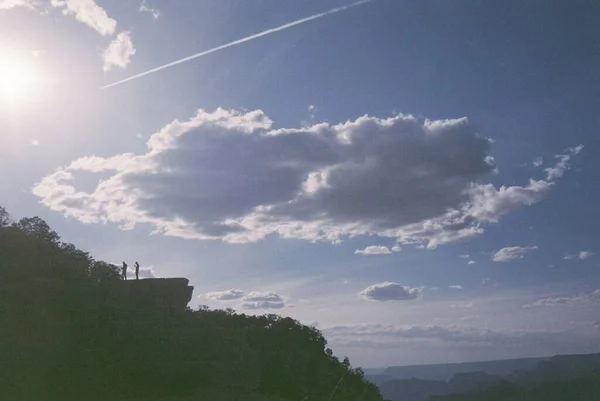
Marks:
<point>19,80</point>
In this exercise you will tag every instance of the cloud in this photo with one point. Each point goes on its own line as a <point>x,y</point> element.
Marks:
<point>485,280</point>
<point>88,12</point>
<point>466,305</point>
<point>573,299</point>
<point>389,291</point>
<point>145,272</point>
<point>456,287</point>
<point>226,295</point>
<point>144,8</point>
<point>582,255</point>
<point>464,256</point>
<point>471,262</point>
<point>250,300</point>
<point>230,175</point>
<point>8,4</point>
<point>34,142</point>
<point>119,52</point>
<point>374,250</point>
<point>562,165</point>
<point>538,162</point>
<point>262,300</point>
<point>512,252</point>
<point>385,334</point>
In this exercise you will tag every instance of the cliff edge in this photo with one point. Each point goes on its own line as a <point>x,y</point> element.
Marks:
<point>172,293</point>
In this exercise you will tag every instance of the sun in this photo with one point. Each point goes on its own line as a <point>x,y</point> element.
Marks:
<point>19,79</point>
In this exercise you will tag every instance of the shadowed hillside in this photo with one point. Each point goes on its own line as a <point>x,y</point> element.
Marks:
<point>72,330</point>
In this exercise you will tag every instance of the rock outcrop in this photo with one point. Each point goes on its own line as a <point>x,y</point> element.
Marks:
<point>172,293</point>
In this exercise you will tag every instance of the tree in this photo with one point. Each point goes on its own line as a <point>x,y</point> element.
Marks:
<point>102,272</point>
<point>38,228</point>
<point>5,219</point>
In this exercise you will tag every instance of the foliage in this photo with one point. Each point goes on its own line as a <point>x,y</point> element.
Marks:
<point>61,341</point>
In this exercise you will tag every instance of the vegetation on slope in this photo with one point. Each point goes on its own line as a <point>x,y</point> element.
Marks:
<point>61,341</point>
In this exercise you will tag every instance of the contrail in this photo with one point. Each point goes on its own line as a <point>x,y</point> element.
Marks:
<point>240,41</point>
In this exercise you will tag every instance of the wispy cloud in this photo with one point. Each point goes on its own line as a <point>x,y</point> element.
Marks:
<point>582,255</point>
<point>240,41</point>
<point>456,287</point>
<point>250,300</point>
<point>512,252</point>
<point>226,295</point>
<point>567,300</point>
<point>462,306</point>
<point>154,12</point>
<point>562,165</point>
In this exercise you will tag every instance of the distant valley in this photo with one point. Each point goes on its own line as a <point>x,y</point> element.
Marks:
<point>423,382</point>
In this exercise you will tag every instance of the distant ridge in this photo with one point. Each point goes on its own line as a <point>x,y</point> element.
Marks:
<point>482,380</point>
<point>445,371</point>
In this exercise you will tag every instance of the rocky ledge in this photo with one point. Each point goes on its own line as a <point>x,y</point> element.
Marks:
<point>173,293</point>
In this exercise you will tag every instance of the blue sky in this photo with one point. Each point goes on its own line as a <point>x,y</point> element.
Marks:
<point>417,179</point>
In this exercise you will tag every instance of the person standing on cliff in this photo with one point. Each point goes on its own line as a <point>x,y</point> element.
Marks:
<point>137,271</point>
<point>124,271</point>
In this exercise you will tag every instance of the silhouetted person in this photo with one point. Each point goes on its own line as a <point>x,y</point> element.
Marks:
<point>137,271</point>
<point>124,271</point>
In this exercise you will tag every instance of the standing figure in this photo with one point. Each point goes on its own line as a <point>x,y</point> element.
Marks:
<point>124,271</point>
<point>137,271</point>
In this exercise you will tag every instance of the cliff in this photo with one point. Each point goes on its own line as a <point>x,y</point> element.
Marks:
<point>172,293</point>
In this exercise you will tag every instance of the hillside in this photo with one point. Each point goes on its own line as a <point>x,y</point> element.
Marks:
<point>72,330</point>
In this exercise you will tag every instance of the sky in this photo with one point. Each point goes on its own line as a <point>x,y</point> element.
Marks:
<point>418,180</point>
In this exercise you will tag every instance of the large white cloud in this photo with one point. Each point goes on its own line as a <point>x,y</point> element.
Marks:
<point>511,253</point>
<point>119,52</point>
<point>230,175</point>
<point>389,291</point>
